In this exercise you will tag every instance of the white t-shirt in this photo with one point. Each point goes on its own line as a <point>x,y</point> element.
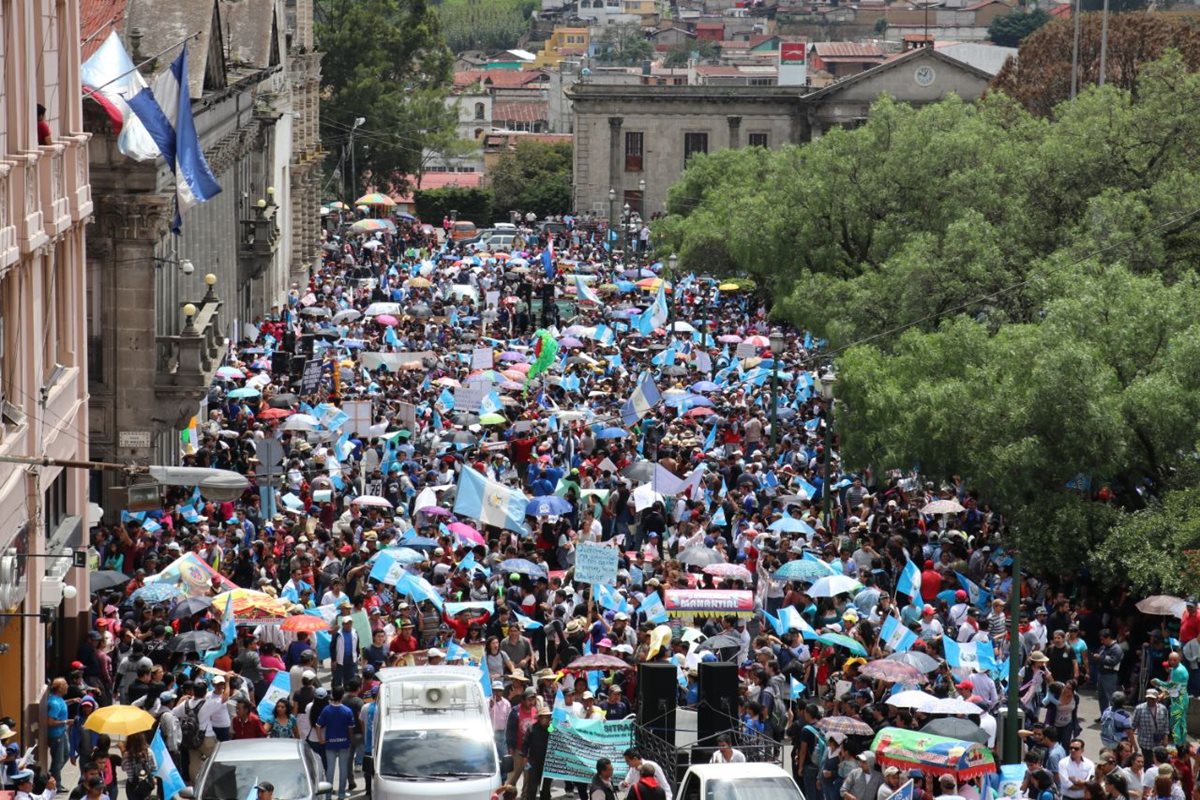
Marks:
<point>735,757</point>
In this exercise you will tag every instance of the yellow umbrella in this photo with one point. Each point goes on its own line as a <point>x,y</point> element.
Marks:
<point>119,720</point>
<point>728,287</point>
<point>419,283</point>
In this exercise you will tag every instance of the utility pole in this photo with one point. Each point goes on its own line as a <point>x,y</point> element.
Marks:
<point>353,163</point>
<point>1075,50</point>
<point>1103,40</point>
<point>1012,720</point>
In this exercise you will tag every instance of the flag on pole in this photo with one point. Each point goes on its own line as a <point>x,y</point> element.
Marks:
<point>548,260</point>
<point>659,311</point>
<point>896,636</point>
<point>652,606</point>
<point>166,771</point>
<point>644,398</point>
<point>585,292</point>
<point>797,689</point>
<point>166,111</point>
<point>490,502</point>
<point>909,582</point>
<point>978,596</point>
<point>279,689</point>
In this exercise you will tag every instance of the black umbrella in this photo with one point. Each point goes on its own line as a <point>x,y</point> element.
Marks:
<point>316,311</point>
<point>722,641</point>
<point>956,728</point>
<point>106,579</point>
<point>639,471</point>
<point>285,400</point>
<point>190,606</point>
<point>461,437</point>
<point>465,418</point>
<point>675,371</point>
<point>700,557</point>
<point>194,642</point>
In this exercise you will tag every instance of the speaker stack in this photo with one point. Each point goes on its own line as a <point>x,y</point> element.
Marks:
<point>718,710</point>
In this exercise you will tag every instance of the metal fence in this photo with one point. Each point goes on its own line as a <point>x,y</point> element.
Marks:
<point>675,759</point>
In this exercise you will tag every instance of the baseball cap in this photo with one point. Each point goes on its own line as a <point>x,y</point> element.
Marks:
<point>265,787</point>
<point>308,674</point>
<point>218,679</point>
<point>347,619</point>
<point>76,665</point>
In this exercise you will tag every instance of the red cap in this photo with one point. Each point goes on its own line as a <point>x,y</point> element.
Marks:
<point>967,685</point>
<point>76,665</point>
<point>929,564</point>
<point>960,595</point>
<point>927,610</point>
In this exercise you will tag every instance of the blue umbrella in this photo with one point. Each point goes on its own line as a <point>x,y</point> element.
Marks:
<point>244,392</point>
<point>419,541</point>
<point>523,567</point>
<point>791,525</point>
<point>801,571</point>
<point>626,286</point>
<point>547,506</point>
<point>612,433</point>
<point>157,592</point>
<point>405,555</point>
<point>705,386</point>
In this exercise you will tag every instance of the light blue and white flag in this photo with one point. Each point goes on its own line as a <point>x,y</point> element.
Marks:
<point>896,636</point>
<point>490,502</point>
<point>167,772</point>
<point>165,109</point>
<point>909,582</point>
<point>585,292</point>
<point>644,398</point>
<point>279,689</point>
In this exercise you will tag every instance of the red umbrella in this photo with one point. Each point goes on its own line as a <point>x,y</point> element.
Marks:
<point>274,413</point>
<point>699,411</point>
<point>307,623</point>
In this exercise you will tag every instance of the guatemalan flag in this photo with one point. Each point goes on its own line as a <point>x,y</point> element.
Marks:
<point>166,111</point>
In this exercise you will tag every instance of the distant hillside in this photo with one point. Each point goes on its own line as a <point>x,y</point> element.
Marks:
<point>485,24</point>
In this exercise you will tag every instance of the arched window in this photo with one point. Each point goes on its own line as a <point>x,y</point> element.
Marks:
<point>479,111</point>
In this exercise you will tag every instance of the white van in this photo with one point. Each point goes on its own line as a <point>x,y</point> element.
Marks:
<point>748,781</point>
<point>433,736</point>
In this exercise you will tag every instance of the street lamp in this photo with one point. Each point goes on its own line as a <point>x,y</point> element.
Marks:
<point>612,221</point>
<point>642,199</point>
<point>358,121</point>
<point>824,386</point>
<point>778,343</point>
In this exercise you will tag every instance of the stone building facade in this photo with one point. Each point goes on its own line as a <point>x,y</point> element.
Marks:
<point>627,135</point>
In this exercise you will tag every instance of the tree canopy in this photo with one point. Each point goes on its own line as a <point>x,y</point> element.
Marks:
<point>1004,303</point>
<point>385,61</point>
<point>1040,77</point>
<point>536,177</point>
<point>623,45</point>
<point>1010,29</point>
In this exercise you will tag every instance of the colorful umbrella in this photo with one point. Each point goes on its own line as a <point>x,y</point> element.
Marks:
<point>466,533</point>
<point>275,413</point>
<point>1163,605</point>
<point>230,374</point>
<point>158,592</point>
<point>373,226</point>
<point>338,205</point>
<point>932,754</point>
<point>306,623</point>
<point>847,725</point>
<point>757,341</point>
<point>246,600</point>
<point>893,672</point>
<point>736,571</point>
<point>375,199</point>
<point>598,661</point>
<point>387,320</point>
<point>842,640</point>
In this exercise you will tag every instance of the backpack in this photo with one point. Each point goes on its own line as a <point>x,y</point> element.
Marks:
<point>818,754</point>
<point>778,716</point>
<point>189,725</point>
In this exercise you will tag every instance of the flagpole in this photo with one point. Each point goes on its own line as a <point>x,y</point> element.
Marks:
<point>136,67</point>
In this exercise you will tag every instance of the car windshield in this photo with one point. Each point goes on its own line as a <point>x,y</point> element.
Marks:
<point>777,788</point>
<point>233,780</point>
<point>436,754</point>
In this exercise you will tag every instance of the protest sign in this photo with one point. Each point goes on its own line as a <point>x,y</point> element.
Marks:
<point>576,745</point>
<point>595,563</point>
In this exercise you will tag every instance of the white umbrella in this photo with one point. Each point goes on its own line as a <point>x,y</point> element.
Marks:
<point>682,327</point>
<point>300,422</point>
<point>347,315</point>
<point>371,500</point>
<point>833,585</point>
<point>377,309</point>
<point>1163,605</point>
<point>949,705</point>
<point>372,244</point>
<point>912,698</point>
<point>942,507</point>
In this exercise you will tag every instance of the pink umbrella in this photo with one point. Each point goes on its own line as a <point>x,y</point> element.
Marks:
<point>465,532</point>
<point>513,374</point>
<point>758,341</point>
<point>388,320</point>
<point>371,500</point>
<point>729,338</point>
<point>728,571</point>
<point>435,511</point>
<point>521,367</point>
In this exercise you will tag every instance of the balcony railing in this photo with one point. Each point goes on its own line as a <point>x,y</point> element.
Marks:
<point>187,362</point>
<point>56,212</point>
<point>9,249</point>
<point>78,181</point>
<point>27,205</point>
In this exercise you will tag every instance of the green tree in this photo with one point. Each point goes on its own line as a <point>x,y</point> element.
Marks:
<point>385,61</point>
<point>1011,29</point>
<point>469,203</point>
<point>485,24</point>
<point>680,54</point>
<point>536,177</point>
<point>624,45</point>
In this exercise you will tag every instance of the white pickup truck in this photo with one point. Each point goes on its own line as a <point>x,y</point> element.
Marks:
<point>748,781</point>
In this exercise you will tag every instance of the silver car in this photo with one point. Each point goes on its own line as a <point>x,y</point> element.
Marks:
<point>237,766</point>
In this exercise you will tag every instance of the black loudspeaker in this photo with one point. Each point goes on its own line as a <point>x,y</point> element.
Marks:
<point>718,710</point>
<point>289,340</point>
<point>658,695</point>
<point>281,362</point>
<point>297,367</point>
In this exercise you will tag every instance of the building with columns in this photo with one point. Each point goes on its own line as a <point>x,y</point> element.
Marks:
<point>45,201</point>
<point>253,77</point>
<point>627,137</point>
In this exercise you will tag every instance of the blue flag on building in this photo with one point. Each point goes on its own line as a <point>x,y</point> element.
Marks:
<point>165,109</point>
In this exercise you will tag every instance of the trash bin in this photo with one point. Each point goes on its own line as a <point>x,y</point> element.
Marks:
<point>1001,726</point>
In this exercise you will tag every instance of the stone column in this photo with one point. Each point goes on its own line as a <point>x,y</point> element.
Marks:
<point>614,158</point>
<point>735,131</point>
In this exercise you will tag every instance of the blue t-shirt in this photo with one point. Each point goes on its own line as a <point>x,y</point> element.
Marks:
<point>56,708</point>
<point>336,720</point>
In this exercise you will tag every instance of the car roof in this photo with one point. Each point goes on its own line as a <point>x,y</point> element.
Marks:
<point>438,672</point>
<point>257,750</point>
<point>745,770</point>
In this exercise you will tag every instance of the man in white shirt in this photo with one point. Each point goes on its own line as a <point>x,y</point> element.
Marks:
<point>633,758</point>
<point>725,754</point>
<point>1075,771</point>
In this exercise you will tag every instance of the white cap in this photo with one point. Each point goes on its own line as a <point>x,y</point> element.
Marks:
<point>433,652</point>
<point>347,619</point>
<point>620,615</point>
<point>308,675</point>
<point>218,679</point>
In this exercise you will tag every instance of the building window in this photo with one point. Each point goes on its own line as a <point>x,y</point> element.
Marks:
<point>694,143</point>
<point>758,140</point>
<point>633,151</point>
<point>95,329</point>
<point>479,110</point>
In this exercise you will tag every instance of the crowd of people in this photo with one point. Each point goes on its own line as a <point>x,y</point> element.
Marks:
<point>639,410</point>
